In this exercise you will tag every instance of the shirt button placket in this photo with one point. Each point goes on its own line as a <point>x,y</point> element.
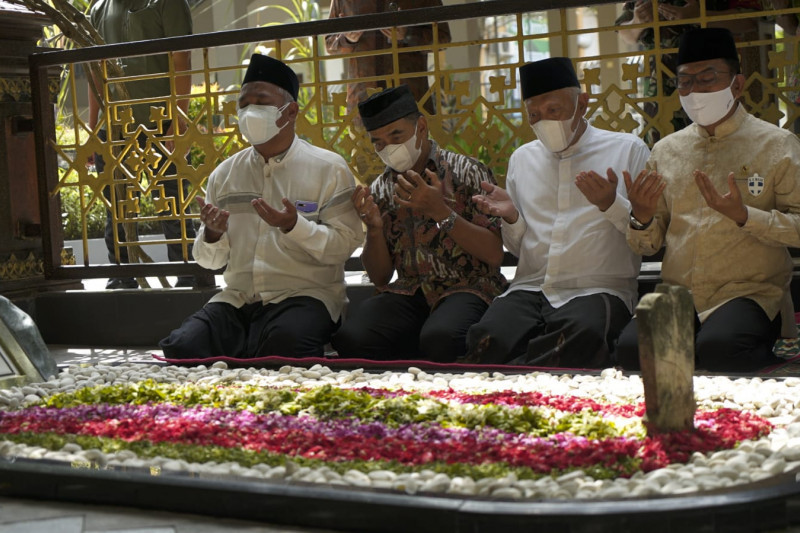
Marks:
<point>560,225</point>
<point>263,231</point>
<point>709,216</point>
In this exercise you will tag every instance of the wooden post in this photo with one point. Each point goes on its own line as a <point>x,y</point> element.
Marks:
<point>23,250</point>
<point>666,353</point>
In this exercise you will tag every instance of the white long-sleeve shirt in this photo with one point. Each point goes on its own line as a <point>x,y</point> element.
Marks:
<point>263,263</point>
<point>566,246</point>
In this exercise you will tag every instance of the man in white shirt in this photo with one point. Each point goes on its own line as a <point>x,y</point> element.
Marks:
<point>279,216</point>
<point>575,286</point>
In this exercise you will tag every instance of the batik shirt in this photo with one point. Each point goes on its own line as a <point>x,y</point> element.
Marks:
<point>426,258</point>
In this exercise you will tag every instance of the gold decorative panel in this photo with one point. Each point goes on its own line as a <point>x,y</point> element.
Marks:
<point>18,88</point>
<point>473,89</point>
<point>15,269</point>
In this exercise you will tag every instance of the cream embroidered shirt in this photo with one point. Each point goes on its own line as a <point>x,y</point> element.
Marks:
<point>709,253</point>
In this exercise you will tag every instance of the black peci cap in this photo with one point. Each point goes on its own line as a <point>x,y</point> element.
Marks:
<point>702,44</point>
<point>265,68</point>
<point>547,75</point>
<point>387,106</point>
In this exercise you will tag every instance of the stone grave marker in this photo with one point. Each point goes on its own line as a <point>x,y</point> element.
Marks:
<point>24,356</point>
<point>666,353</point>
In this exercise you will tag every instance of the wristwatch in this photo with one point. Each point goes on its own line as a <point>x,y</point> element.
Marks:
<point>447,224</point>
<point>639,226</point>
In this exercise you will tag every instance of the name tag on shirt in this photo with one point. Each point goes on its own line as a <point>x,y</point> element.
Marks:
<point>306,207</point>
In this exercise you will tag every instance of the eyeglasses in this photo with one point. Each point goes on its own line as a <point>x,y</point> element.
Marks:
<point>703,79</point>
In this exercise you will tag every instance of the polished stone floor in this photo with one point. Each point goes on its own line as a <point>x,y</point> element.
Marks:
<point>31,516</point>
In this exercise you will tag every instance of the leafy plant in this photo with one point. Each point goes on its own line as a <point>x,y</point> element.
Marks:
<point>72,216</point>
<point>202,113</point>
<point>301,11</point>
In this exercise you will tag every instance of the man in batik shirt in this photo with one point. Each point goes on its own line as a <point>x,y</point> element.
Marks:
<point>422,224</point>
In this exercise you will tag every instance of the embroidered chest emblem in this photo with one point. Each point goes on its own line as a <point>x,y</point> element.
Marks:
<point>755,184</point>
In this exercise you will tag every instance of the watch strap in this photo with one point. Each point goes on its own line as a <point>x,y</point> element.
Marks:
<point>448,222</point>
<point>638,225</point>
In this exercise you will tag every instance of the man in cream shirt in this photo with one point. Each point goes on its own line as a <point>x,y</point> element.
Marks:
<point>723,196</point>
<point>278,216</point>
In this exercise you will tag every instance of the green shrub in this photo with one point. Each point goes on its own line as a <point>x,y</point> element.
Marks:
<point>71,217</point>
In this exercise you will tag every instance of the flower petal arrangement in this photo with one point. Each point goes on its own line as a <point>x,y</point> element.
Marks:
<point>395,430</point>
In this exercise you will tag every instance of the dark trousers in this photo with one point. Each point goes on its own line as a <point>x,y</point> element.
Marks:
<point>737,337</point>
<point>523,328</point>
<point>171,228</point>
<point>395,326</point>
<point>296,327</point>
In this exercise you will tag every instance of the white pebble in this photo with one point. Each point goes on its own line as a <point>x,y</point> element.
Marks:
<point>507,493</point>
<point>407,485</point>
<point>175,465</point>
<point>357,478</point>
<point>773,466</point>
<point>439,483</point>
<point>462,485</point>
<point>382,475</point>
<point>279,472</point>
<point>792,449</point>
<point>31,398</point>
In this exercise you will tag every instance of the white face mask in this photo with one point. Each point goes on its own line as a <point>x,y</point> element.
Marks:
<point>401,157</point>
<point>708,108</point>
<point>257,123</point>
<point>556,135</point>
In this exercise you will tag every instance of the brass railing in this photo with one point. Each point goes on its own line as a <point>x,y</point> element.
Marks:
<point>473,87</point>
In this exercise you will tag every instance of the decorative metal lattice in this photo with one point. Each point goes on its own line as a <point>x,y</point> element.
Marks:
<point>473,87</point>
